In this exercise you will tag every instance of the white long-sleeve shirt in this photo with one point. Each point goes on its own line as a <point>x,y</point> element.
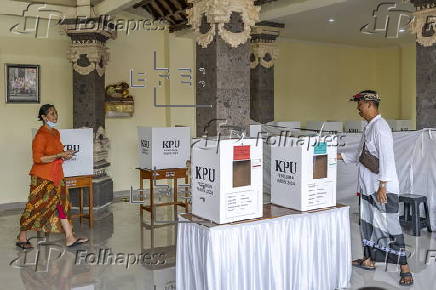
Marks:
<point>377,136</point>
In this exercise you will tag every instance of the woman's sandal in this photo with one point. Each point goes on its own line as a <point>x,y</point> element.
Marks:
<point>403,281</point>
<point>24,245</point>
<point>359,264</point>
<point>77,242</point>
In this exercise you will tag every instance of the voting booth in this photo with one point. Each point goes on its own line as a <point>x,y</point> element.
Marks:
<point>332,126</point>
<point>256,129</point>
<point>80,140</point>
<point>227,180</point>
<point>303,172</point>
<point>287,124</point>
<point>161,148</point>
<point>400,125</point>
<point>354,126</point>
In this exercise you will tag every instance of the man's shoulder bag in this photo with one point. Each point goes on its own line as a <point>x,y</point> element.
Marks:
<point>369,161</point>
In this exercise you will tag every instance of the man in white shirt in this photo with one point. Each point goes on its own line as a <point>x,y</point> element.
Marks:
<point>379,188</point>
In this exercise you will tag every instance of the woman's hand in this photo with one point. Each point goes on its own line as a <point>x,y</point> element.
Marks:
<point>66,155</point>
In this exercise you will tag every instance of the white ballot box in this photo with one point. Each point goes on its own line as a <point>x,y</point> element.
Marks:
<point>354,126</point>
<point>400,125</point>
<point>303,172</point>
<point>227,180</point>
<point>161,148</point>
<point>328,126</point>
<point>81,141</point>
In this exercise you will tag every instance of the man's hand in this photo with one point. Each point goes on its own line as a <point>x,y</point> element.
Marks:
<point>382,196</point>
<point>339,156</point>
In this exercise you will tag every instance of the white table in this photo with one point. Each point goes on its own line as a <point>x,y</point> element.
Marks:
<point>284,250</point>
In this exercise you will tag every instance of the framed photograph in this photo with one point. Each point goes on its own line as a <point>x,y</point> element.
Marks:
<point>22,83</point>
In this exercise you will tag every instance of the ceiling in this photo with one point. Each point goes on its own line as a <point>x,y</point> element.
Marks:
<point>68,3</point>
<point>306,20</point>
<point>309,21</point>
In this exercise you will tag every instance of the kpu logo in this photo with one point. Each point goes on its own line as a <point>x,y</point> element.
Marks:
<point>286,166</point>
<point>205,173</point>
<point>145,143</point>
<point>170,144</point>
<point>72,147</point>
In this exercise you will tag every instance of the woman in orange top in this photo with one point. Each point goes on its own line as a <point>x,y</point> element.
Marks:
<point>48,208</point>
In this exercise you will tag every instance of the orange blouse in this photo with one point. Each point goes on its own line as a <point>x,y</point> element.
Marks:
<point>47,142</point>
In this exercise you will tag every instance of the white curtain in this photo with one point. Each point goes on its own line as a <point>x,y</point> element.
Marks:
<point>302,251</point>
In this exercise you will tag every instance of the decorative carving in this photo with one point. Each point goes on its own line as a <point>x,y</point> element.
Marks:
<point>119,103</point>
<point>424,26</point>
<point>264,54</point>
<point>264,51</point>
<point>96,53</point>
<point>218,13</point>
<point>101,153</point>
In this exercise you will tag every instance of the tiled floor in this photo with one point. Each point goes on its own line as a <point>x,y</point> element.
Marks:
<point>117,229</point>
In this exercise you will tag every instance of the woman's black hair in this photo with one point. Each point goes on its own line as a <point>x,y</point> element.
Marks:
<point>44,111</point>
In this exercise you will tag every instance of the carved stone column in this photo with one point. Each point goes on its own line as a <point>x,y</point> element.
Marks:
<point>223,67</point>
<point>424,27</point>
<point>264,53</point>
<point>89,56</point>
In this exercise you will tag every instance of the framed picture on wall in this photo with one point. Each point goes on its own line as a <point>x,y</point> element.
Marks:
<point>22,83</point>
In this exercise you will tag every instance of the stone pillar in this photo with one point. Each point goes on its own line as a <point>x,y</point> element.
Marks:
<point>223,66</point>
<point>89,56</point>
<point>424,28</point>
<point>263,55</point>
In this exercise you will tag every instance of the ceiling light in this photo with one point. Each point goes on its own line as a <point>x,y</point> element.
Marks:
<point>402,30</point>
<point>331,20</point>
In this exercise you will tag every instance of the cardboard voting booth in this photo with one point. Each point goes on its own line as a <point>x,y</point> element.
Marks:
<point>227,180</point>
<point>400,125</point>
<point>303,173</point>
<point>272,126</point>
<point>328,126</point>
<point>289,125</point>
<point>161,148</point>
<point>80,140</point>
<point>354,126</point>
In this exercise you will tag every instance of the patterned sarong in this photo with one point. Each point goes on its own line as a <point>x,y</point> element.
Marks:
<point>41,213</point>
<point>381,231</point>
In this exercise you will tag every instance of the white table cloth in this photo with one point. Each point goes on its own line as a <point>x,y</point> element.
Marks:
<point>298,251</point>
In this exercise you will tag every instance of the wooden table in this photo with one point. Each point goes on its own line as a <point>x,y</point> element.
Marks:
<point>82,182</point>
<point>160,174</point>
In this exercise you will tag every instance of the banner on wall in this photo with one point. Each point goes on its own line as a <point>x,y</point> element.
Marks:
<point>80,140</point>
